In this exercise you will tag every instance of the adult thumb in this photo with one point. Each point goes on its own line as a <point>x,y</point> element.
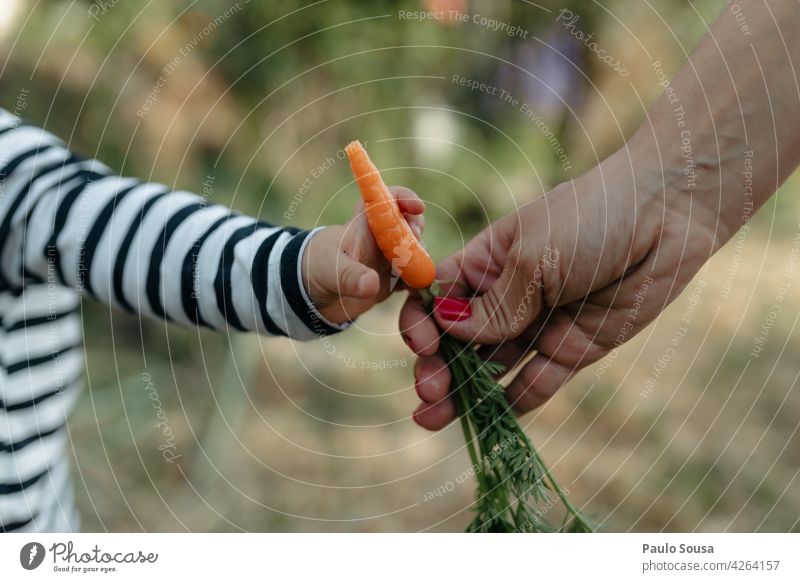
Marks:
<point>501,313</point>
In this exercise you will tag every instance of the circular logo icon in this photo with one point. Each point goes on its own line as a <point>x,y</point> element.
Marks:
<point>31,555</point>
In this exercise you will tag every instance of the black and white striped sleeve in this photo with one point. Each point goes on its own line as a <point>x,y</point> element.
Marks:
<point>69,221</point>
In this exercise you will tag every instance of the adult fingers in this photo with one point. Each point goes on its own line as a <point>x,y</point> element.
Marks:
<point>437,415</point>
<point>509,354</point>
<point>432,378</point>
<point>504,311</point>
<point>536,382</point>
<point>418,328</point>
<point>565,346</point>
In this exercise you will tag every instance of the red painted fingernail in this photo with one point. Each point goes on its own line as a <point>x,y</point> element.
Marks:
<point>452,308</point>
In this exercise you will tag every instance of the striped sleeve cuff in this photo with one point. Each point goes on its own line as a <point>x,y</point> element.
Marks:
<point>298,314</point>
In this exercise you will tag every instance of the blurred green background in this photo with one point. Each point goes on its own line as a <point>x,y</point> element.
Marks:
<point>251,102</point>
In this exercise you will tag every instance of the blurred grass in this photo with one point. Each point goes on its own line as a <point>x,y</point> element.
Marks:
<point>275,435</point>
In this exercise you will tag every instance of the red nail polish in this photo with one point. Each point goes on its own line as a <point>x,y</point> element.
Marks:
<point>452,308</point>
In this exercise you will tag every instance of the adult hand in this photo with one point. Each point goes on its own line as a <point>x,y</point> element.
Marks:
<point>566,278</point>
<point>572,275</point>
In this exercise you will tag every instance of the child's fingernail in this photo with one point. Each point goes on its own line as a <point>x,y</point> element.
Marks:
<point>452,308</point>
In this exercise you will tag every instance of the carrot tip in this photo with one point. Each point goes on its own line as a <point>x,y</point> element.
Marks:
<point>353,147</point>
<point>386,222</point>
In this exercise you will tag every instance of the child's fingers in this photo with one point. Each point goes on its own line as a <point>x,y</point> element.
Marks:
<point>417,224</point>
<point>407,200</point>
<point>345,277</point>
<point>412,208</point>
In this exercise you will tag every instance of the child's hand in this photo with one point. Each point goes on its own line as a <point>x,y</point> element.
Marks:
<point>344,272</point>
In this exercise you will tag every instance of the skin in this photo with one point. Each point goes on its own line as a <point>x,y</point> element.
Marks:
<point>578,258</point>
<point>344,272</point>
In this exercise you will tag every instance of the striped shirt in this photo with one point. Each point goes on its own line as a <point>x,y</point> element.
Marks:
<point>69,226</point>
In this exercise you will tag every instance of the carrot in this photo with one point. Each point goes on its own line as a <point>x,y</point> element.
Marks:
<point>387,224</point>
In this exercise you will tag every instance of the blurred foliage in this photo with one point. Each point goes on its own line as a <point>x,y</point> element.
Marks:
<point>280,436</point>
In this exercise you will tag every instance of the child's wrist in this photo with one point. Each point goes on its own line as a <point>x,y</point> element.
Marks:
<point>313,293</point>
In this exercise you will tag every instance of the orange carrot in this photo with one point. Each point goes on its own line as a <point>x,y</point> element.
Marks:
<point>387,224</point>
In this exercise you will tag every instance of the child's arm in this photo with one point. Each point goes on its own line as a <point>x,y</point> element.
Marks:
<point>66,220</point>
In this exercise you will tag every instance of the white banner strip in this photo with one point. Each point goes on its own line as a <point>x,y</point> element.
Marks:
<point>406,557</point>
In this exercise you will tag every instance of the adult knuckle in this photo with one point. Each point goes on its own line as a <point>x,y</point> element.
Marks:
<point>499,316</point>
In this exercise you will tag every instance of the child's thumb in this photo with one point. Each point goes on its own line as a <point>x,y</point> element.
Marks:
<point>501,313</point>
<point>355,279</point>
